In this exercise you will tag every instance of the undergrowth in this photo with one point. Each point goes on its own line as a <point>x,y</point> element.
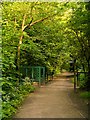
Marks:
<point>85,95</point>
<point>13,95</point>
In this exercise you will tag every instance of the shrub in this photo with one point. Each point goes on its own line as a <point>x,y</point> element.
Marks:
<point>13,95</point>
<point>82,80</point>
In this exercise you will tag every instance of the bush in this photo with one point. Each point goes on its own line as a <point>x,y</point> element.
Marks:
<point>82,80</point>
<point>13,95</point>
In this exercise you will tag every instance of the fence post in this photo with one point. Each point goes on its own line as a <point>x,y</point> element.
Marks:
<point>74,76</point>
<point>77,79</point>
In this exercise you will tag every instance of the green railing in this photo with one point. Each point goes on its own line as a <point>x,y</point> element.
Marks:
<point>35,73</point>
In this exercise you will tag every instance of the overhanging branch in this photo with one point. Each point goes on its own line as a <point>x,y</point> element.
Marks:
<point>37,21</point>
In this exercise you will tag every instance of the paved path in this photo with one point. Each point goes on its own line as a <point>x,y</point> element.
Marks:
<point>53,100</point>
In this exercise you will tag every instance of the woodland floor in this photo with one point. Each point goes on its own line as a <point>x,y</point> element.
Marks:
<point>54,100</point>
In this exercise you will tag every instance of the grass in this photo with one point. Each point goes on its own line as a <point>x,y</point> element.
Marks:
<point>85,94</point>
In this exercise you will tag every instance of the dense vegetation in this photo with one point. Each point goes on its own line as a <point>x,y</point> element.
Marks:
<point>45,34</point>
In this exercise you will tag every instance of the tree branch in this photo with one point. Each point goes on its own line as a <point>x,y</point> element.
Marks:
<point>37,21</point>
<point>23,22</point>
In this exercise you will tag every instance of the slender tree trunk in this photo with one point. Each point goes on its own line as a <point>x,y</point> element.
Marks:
<point>18,49</point>
<point>18,54</point>
<point>20,42</point>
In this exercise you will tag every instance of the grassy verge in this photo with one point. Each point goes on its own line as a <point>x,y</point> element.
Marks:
<point>85,94</point>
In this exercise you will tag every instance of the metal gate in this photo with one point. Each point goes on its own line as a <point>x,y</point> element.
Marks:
<point>35,73</point>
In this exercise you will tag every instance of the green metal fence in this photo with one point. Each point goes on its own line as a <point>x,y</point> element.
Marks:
<point>35,73</point>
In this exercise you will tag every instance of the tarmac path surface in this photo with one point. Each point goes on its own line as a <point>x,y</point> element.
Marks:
<point>54,100</point>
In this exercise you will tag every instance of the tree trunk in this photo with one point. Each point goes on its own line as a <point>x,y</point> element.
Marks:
<point>18,50</point>
<point>18,54</point>
<point>20,42</point>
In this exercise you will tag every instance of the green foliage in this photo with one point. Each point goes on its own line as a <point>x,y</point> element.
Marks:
<point>47,43</point>
<point>13,96</point>
<point>82,80</point>
<point>85,95</point>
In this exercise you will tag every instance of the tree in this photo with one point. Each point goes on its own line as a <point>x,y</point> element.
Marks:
<point>44,34</point>
<point>79,26</point>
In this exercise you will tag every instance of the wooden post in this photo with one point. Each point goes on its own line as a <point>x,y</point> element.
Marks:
<point>77,79</point>
<point>74,76</point>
